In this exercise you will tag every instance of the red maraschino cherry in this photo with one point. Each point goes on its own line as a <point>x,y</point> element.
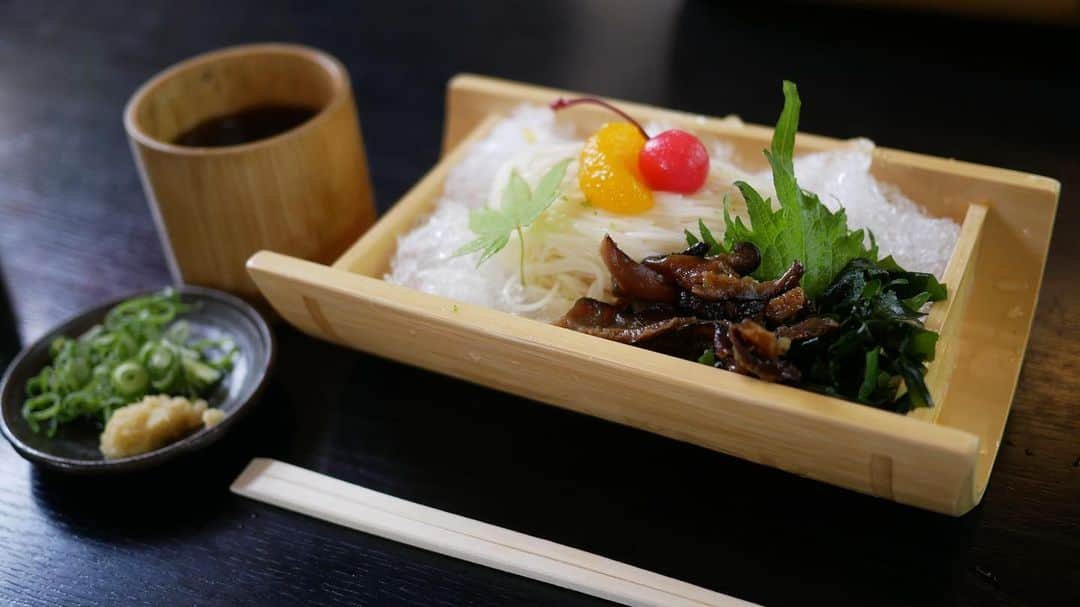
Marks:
<point>673,161</point>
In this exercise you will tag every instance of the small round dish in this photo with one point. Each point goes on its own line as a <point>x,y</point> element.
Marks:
<point>74,448</point>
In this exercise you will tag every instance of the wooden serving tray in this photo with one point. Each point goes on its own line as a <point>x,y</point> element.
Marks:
<point>939,460</point>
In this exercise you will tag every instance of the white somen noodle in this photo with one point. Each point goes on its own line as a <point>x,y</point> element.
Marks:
<point>562,261</point>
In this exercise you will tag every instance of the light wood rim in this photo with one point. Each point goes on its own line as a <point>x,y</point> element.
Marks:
<point>457,127</point>
<point>619,357</point>
<point>334,69</point>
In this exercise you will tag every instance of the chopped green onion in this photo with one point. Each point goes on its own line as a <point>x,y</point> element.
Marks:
<point>130,379</point>
<point>140,348</point>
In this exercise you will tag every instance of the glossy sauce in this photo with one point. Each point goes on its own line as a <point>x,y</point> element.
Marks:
<point>245,126</point>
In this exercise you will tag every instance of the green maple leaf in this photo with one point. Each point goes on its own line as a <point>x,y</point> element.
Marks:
<point>518,208</point>
<point>802,229</point>
<point>492,230</point>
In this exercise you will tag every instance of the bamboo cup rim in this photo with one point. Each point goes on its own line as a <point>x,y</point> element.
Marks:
<point>335,71</point>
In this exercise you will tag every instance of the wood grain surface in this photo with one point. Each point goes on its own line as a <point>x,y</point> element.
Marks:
<point>75,229</point>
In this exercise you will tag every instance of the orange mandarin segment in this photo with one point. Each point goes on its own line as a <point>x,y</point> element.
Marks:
<point>609,175</point>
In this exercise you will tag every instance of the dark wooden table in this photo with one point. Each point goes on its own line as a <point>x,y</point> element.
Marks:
<point>74,229</point>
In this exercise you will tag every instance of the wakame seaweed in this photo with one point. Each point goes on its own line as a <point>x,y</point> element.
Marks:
<point>878,355</point>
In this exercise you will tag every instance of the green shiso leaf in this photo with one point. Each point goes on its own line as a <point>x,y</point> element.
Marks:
<point>878,354</point>
<point>802,229</point>
<point>691,240</point>
<point>715,248</point>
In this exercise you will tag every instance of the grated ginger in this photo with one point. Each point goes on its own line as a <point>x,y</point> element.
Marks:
<point>154,422</point>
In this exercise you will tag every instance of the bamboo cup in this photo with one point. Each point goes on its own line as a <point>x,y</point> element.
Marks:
<point>305,192</point>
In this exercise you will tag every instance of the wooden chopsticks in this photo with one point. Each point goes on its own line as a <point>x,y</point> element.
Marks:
<point>330,499</point>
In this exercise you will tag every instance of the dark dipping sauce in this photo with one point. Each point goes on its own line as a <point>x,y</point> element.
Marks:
<point>245,126</point>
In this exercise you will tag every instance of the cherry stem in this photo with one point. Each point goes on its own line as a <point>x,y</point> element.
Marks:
<point>562,103</point>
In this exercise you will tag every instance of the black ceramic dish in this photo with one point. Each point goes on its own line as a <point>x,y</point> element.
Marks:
<point>74,448</point>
